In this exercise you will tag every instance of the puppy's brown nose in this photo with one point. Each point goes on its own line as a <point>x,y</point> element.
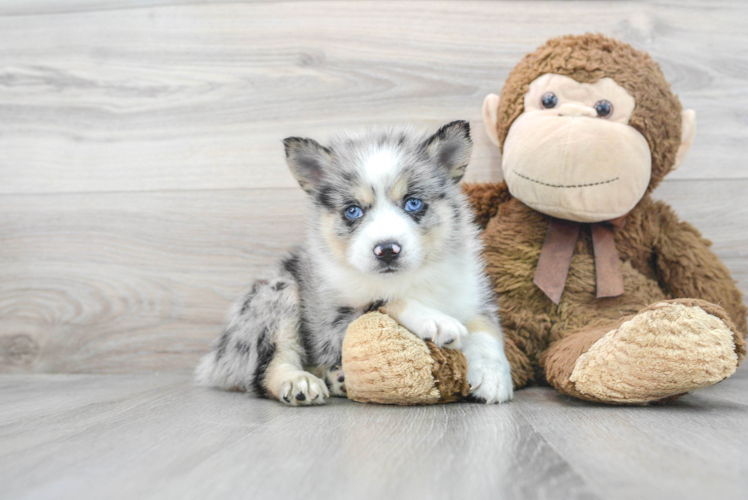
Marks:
<point>387,251</point>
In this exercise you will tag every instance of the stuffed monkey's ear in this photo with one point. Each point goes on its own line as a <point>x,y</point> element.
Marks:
<point>491,117</point>
<point>688,131</point>
<point>450,148</point>
<point>307,160</point>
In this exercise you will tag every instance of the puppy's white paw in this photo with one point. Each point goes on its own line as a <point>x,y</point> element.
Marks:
<point>303,389</point>
<point>335,380</point>
<point>442,330</point>
<point>489,373</point>
<point>490,385</point>
<point>429,324</point>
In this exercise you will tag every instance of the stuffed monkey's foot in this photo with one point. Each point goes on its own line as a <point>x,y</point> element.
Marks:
<point>667,349</point>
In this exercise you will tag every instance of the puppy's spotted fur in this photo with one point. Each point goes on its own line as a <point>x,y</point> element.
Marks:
<point>389,226</point>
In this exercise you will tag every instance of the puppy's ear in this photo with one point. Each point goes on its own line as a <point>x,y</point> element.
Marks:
<point>307,160</point>
<point>450,148</point>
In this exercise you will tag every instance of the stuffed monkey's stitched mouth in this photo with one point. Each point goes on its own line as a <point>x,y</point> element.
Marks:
<point>562,185</point>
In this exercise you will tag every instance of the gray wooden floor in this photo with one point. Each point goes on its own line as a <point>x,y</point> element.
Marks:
<point>157,436</point>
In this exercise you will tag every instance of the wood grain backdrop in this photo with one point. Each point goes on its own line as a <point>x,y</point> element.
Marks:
<point>142,181</point>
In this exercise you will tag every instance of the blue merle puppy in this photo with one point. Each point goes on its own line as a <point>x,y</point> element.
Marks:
<point>389,227</point>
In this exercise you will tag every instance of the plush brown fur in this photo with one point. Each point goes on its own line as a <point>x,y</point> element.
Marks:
<point>662,257</point>
<point>450,373</point>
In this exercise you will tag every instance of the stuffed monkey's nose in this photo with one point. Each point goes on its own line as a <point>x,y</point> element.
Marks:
<point>387,251</point>
<point>576,110</point>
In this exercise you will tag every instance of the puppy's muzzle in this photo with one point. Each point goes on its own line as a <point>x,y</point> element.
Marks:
<point>387,251</point>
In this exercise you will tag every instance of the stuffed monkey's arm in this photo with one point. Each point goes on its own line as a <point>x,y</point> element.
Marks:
<point>689,269</point>
<point>485,199</point>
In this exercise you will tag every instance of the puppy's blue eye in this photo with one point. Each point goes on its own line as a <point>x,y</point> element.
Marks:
<point>413,205</point>
<point>354,212</point>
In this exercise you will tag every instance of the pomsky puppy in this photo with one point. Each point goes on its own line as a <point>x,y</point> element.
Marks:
<point>389,227</point>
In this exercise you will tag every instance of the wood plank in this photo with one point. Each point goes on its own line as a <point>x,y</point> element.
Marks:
<point>127,436</point>
<point>167,439</point>
<point>119,282</point>
<point>130,281</point>
<point>199,96</point>
<point>691,448</point>
<point>47,7</point>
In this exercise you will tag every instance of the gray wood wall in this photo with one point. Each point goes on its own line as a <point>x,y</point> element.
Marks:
<point>142,181</point>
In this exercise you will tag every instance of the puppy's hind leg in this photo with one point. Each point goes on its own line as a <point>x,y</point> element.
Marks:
<point>260,349</point>
<point>334,378</point>
<point>285,378</point>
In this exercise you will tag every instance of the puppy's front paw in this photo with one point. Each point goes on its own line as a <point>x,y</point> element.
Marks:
<point>428,323</point>
<point>490,385</point>
<point>335,380</point>
<point>442,330</point>
<point>489,373</point>
<point>303,389</point>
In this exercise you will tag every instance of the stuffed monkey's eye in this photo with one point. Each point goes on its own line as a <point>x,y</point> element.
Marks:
<point>604,108</point>
<point>549,100</point>
<point>353,212</point>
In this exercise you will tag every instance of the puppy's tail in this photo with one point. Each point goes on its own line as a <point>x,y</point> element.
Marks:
<point>206,371</point>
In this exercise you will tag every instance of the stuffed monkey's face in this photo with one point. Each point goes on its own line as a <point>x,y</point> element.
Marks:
<point>572,154</point>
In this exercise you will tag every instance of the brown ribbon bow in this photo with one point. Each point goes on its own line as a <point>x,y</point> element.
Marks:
<point>558,248</point>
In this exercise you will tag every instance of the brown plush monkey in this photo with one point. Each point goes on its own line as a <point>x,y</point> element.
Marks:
<point>604,292</point>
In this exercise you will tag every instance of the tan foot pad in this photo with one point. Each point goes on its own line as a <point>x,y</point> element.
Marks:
<point>666,350</point>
